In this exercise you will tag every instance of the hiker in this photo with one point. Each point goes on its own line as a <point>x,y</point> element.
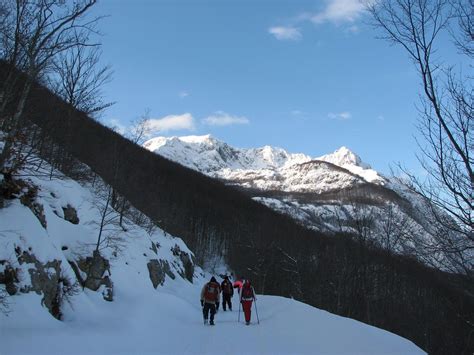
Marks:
<point>247,296</point>
<point>227,293</point>
<point>210,294</point>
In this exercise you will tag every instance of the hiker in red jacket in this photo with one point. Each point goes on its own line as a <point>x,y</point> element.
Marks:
<point>227,293</point>
<point>210,294</point>
<point>247,296</point>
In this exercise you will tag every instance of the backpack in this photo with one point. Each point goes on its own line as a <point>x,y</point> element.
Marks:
<point>247,292</point>
<point>226,287</point>
<point>211,292</point>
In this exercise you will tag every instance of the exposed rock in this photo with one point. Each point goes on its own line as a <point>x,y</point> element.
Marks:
<point>45,279</point>
<point>108,292</point>
<point>8,277</point>
<point>158,270</point>
<point>95,268</point>
<point>188,263</point>
<point>29,200</point>
<point>70,214</point>
<point>188,266</point>
<point>154,248</point>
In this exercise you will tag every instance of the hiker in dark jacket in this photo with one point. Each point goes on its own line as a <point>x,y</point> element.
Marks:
<point>210,294</point>
<point>247,296</point>
<point>227,293</point>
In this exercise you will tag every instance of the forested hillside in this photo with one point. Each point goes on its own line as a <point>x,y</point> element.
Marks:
<point>431,308</point>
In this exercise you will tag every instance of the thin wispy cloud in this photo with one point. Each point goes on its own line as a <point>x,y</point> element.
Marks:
<point>285,33</point>
<point>183,94</point>
<point>221,118</point>
<point>333,11</point>
<point>340,11</point>
<point>170,123</point>
<point>297,113</point>
<point>342,116</point>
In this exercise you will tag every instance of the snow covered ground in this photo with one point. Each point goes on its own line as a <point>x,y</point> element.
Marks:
<point>142,319</point>
<point>169,321</point>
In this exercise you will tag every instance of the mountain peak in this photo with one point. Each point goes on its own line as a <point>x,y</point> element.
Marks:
<point>218,159</point>
<point>344,157</point>
<point>207,138</point>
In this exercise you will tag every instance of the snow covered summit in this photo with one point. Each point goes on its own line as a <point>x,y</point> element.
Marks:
<point>265,168</point>
<point>209,155</point>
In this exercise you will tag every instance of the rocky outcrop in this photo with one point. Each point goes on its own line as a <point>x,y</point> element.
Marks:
<point>158,269</point>
<point>45,279</point>
<point>187,261</point>
<point>70,214</point>
<point>95,268</point>
<point>29,200</point>
<point>8,277</point>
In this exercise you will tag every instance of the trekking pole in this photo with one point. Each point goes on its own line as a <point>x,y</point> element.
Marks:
<point>240,302</point>
<point>256,311</point>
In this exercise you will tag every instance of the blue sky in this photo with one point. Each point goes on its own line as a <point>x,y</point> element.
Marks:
<point>306,76</point>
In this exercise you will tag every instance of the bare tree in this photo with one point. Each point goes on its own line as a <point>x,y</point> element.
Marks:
<point>396,228</point>
<point>33,34</point>
<point>108,226</point>
<point>464,38</point>
<point>140,129</point>
<point>80,77</point>
<point>446,114</point>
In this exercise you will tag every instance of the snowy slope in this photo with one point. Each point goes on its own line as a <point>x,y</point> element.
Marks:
<point>142,319</point>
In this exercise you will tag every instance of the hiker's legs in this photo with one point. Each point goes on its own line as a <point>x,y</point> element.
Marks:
<point>205,311</point>
<point>212,308</point>
<point>247,307</point>
<point>226,301</point>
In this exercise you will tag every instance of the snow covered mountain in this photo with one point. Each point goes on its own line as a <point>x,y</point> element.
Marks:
<point>337,192</point>
<point>148,288</point>
<point>266,168</point>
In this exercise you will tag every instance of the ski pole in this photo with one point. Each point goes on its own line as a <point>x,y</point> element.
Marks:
<point>256,311</point>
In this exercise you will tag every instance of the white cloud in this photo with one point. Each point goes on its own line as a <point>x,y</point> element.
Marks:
<point>340,11</point>
<point>183,94</point>
<point>170,123</point>
<point>340,116</point>
<point>283,33</point>
<point>221,118</point>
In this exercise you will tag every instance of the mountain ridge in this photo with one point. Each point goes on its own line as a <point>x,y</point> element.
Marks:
<point>267,167</point>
